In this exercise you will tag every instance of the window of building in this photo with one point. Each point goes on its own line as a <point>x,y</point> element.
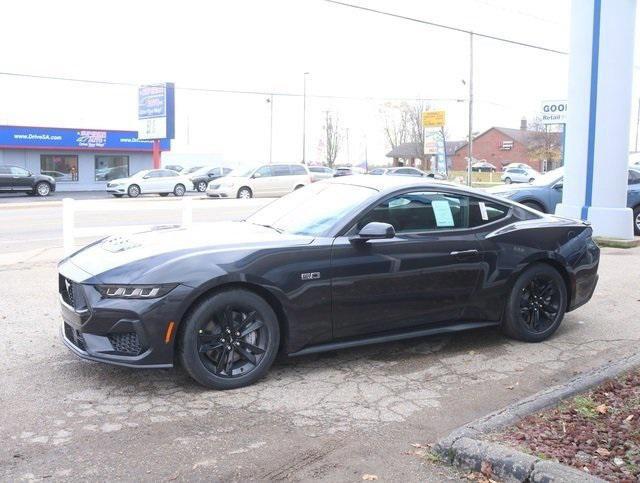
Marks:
<point>62,167</point>
<point>111,167</point>
<point>506,145</point>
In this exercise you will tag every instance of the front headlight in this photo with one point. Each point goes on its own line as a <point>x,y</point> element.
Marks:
<point>134,291</point>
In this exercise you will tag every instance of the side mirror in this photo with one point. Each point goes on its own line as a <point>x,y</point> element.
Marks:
<point>558,187</point>
<point>256,175</point>
<point>375,231</point>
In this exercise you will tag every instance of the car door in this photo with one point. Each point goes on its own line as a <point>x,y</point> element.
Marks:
<point>425,275</point>
<point>262,182</point>
<point>168,181</point>
<point>6,178</point>
<point>282,179</point>
<point>21,179</point>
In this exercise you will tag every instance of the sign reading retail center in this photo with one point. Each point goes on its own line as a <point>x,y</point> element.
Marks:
<point>433,118</point>
<point>156,111</point>
<point>553,112</point>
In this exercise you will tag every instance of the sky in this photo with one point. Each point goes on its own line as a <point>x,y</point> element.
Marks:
<point>266,46</point>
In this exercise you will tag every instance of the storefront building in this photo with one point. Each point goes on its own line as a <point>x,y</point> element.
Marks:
<point>79,159</point>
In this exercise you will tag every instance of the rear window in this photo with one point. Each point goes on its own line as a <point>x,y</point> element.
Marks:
<point>482,212</point>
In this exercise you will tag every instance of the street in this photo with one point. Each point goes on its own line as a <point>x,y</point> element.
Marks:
<point>334,416</point>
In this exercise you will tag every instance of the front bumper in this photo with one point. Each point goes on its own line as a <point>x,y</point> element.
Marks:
<point>124,332</point>
<point>218,191</point>
<point>116,189</point>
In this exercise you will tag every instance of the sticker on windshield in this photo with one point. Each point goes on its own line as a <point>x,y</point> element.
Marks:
<point>442,212</point>
<point>483,211</point>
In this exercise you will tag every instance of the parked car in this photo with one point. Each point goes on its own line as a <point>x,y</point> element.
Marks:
<point>546,192</point>
<point>342,263</point>
<point>202,176</point>
<point>266,180</point>
<point>344,171</point>
<point>174,167</point>
<point>150,181</point>
<point>519,175</point>
<point>516,165</point>
<point>19,180</point>
<point>190,170</point>
<point>319,173</point>
<point>406,171</point>
<point>483,167</point>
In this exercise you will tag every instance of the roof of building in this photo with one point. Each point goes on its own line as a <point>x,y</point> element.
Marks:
<point>407,150</point>
<point>522,136</point>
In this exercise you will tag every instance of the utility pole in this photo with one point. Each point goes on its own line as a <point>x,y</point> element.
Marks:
<point>470,109</point>
<point>270,102</point>
<point>304,120</point>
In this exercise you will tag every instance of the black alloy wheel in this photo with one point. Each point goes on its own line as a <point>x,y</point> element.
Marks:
<point>230,340</point>
<point>537,304</point>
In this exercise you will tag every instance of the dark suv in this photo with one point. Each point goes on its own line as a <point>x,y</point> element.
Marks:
<point>14,179</point>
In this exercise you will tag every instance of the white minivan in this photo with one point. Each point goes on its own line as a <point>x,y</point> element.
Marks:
<point>264,181</point>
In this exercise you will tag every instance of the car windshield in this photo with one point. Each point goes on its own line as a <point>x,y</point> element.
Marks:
<point>241,172</point>
<point>313,209</point>
<point>549,178</point>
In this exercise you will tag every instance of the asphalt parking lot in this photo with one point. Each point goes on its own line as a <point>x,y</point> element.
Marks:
<point>331,417</point>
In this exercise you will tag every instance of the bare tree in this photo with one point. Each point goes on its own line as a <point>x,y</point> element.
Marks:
<point>403,124</point>
<point>544,145</point>
<point>332,137</point>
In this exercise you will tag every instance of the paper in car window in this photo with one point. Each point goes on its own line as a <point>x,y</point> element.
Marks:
<point>483,211</point>
<point>442,212</point>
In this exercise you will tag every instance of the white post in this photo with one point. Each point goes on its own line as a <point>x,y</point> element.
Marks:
<point>187,211</point>
<point>68,222</point>
<point>597,152</point>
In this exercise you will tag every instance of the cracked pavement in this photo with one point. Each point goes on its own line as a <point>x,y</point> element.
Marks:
<point>332,416</point>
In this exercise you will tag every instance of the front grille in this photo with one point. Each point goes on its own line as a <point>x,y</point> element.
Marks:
<point>71,293</point>
<point>126,343</point>
<point>75,337</point>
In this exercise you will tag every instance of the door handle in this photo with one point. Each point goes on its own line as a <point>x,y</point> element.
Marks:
<point>465,254</point>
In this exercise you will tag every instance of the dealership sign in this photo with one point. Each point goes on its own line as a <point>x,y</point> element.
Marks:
<point>433,118</point>
<point>156,111</point>
<point>23,137</point>
<point>553,112</point>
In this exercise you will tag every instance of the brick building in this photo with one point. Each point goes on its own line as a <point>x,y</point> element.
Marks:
<point>501,146</point>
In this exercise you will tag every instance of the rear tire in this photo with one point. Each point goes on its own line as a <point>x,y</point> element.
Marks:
<point>531,180</point>
<point>179,190</point>
<point>229,340</point>
<point>202,186</point>
<point>245,193</point>
<point>636,220</point>
<point>536,305</point>
<point>507,181</point>
<point>534,205</point>
<point>133,191</point>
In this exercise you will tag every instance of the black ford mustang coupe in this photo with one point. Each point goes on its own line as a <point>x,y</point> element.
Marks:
<point>340,263</point>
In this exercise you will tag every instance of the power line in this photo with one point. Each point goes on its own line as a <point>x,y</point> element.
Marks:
<point>234,91</point>
<point>448,27</point>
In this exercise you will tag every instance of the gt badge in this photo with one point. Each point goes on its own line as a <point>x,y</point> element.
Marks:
<point>310,276</point>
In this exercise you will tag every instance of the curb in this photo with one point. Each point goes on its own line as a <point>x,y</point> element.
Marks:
<point>464,448</point>
<point>617,242</point>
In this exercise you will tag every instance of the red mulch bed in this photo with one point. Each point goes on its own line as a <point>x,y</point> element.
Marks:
<point>597,432</point>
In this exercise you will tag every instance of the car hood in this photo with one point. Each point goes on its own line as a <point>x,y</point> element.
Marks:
<point>120,180</point>
<point>135,258</point>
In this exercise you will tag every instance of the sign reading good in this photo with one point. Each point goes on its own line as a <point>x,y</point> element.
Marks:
<point>156,108</point>
<point>433,118</point>
<point>553,112</point>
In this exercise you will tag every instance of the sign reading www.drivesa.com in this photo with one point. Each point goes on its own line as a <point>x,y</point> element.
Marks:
<point>553,112</point>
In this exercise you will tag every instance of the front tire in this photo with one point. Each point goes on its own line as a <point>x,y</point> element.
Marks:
<point>245,193</point>
<point>133,191</point>
<point>229,340</point>
<point>43,188</point>
<point>536,305</point>
<point>507,181</point>
<point>202,186</point>
<point>636,220</point>
<point>179,190</point>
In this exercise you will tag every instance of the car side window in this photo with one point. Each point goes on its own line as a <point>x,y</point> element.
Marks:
<point>421,211</point>
<point>167,173</point>
<point>18,171</point>
<point>297,170</point>
<point>634,178</point>
<point>280,170</point>
<point>264,171</point>
<point>482,212</point>
<point>214,172</point>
